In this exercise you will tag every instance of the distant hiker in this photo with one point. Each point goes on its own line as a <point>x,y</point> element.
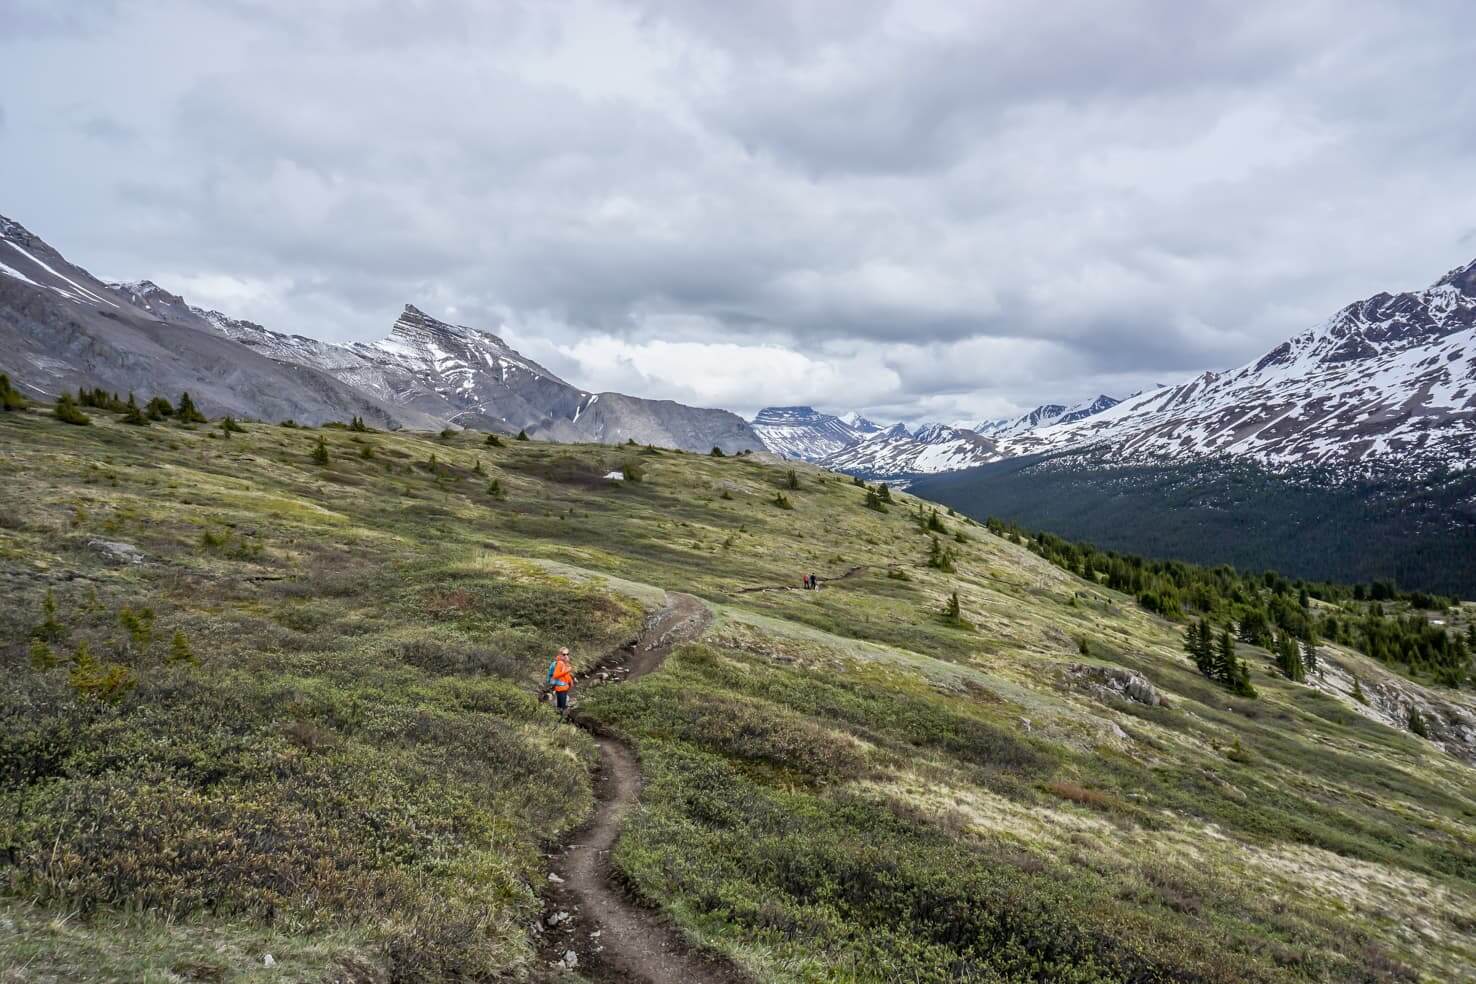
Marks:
<point>814,582</point>
<point>805,581</point>
<point>561,678</point>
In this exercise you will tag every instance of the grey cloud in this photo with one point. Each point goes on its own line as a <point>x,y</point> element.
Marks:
<point>987,204</point>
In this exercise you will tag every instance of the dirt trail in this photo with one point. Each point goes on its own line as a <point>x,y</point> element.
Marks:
<point>845,575</point>
<point>616,939</point>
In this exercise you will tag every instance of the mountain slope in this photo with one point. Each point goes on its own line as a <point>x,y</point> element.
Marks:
<point>359,779</point>
<point>472,378</point>
<point>1386,383</point>
<point>897,453</point>
<point>808,435</point>
<point>1046,415</point>
<point>61,328</point>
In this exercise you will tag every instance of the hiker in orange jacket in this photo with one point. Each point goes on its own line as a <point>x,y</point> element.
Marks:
<point>561,678</point>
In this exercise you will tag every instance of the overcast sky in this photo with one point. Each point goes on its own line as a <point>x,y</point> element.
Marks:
<point>924,210</point>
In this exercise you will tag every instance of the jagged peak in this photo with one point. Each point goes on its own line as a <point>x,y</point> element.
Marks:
<point>414,322</point>
<point>11,229</point>
<point>1463,278</point>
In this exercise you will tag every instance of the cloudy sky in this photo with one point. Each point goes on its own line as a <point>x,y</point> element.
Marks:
<point>926,210</point>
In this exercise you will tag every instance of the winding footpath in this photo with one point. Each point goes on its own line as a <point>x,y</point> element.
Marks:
<point>614,938</point>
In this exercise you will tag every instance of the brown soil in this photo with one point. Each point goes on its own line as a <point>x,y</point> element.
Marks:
<point>617,939</point>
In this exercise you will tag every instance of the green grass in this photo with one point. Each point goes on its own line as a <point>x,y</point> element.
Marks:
<point>358,778</point>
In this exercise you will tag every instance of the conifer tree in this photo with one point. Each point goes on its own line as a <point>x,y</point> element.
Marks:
<point>1237,673</point>
<point>158,408</point>
<point>320,452</point>
<point>229,426</point>
<point>717,452</point>
<point>68,412</point>
<point>523,435</point>
<point>366,451</point>
<point>10,397</point>
<point>874,501</point>
<point>1358,693</point>
<point>1309,656</point>
<point>495,490</point>
<point>179,650</point>
<point>856,480</point>
<point>493,441</point>
<point>884,491</point>
<point>1289,659</point>
<point>187,412</point>
<point>42,658</point>
<point>792,480</point>
<point>1197,643</point>
<point>133,415</point>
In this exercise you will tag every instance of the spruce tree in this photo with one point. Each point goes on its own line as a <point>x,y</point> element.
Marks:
<point>10,397</point>
<point>1289,659</point>
<point>68,412</point>
<point>523,436</point>
<point>884,491</point>
<point>495,490</point>
<point>1417,724</point>
<point>320,452</point>
<point>179,649</point>
<point>792,480</point>
<point>187,412</point>
<point>1309,656</point>
<point>874,501</point>
<point>717,452</point>
<point>133,415</point>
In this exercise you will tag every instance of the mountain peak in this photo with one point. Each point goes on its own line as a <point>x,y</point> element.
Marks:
<point>1462,278</point>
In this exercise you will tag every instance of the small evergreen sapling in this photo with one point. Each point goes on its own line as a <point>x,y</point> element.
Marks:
<point>188,413</point>
<point>158,408</point>
<point>874,501</point>
<point>791,481</point>
<point>717,452</point>
<point>1358,693</point>
<point>523,436</point>
<point>50,630</point>
<point>493,441</point>
<point>10,397</point>
<point>320,453</point>
<point>179,650</point>
<point>68,412</point>
<point>42,658</point>
<point>495,489</point>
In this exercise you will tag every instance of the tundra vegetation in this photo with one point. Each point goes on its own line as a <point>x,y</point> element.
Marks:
<point>303,721</point>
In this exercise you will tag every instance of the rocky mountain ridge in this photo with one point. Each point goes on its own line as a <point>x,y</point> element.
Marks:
<point>1386,383</point>
<point>68,329</point>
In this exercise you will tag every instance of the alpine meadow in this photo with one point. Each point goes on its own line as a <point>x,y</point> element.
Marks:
<point>272,690</point>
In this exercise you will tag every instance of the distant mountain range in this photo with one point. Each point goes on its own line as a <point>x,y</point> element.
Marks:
<point>850,443</point>
<point>61,328</point>
<point>1386,383</point>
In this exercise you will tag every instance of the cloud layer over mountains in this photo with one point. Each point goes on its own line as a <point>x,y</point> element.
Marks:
<point>924,210</point>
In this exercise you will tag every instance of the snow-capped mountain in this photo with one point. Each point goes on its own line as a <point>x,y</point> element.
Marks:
<point>896,453</point>
<point>1388,381</point>
<point>61,328</point>
<point>1045,415</point>
<point>472,378</point>
<point>807,434</point>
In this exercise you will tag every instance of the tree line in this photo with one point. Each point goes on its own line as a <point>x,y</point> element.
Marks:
<point>1288,617</point>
